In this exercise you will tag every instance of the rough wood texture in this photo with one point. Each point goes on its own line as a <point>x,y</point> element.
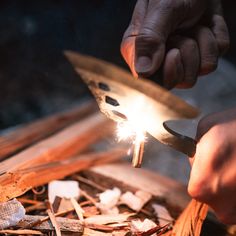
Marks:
<point>173,192</point>
<point>65,224</point>
<point>59,146</point>
<point>190,221</point>
<point>27,134</point>
<point>16,183</point>
<point>20,232</point>
<point>62,145</point>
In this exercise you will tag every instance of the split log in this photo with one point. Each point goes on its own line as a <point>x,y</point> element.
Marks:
<point>62,145</point>
<point>68,142</point>
<point>17,183</point>
<point>190,221</point>
<point>66,225</point>
<point>28,134</point>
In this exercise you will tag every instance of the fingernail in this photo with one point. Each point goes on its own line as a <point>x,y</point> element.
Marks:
<point>143,64</point>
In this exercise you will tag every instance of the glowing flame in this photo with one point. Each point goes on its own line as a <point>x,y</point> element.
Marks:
<point>135,127</point>
<point>128,131</point>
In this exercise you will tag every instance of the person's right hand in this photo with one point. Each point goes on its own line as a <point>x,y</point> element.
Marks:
<point>184,37</point>
<point>213,174</point>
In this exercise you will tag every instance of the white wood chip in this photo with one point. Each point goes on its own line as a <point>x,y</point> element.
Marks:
<point>142,226</point>
<point>110,197</point>
<point>63,188</point>
<point>135,201</point>
<point>108,201</point>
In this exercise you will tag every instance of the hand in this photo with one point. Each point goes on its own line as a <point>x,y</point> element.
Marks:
<point>213,174</point>
<point>184,37</point>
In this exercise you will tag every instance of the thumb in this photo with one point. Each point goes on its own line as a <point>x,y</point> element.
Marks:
<point>151,39</point>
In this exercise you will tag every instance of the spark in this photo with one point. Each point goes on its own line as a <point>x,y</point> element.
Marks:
<point>127,131</point>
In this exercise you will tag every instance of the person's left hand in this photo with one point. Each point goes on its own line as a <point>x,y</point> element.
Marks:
<point>177,39</point>
<point>213,174</point>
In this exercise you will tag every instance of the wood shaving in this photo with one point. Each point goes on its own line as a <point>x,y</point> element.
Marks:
<point>142,226</point>
<point>107,219</point>
<point>135,201</point>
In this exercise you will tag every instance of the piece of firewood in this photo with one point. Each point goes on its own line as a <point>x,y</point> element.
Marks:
<point>190,221</point>
<point>68,142</point>
<point>65,224</point>
<point>25,135</point>
<point>17,182</point>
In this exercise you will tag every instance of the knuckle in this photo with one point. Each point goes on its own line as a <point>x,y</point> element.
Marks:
<point>190,45</point>
<point>195,190</point>
<point>149,35</point>
<point>148,40</point>
<point>173,5</point>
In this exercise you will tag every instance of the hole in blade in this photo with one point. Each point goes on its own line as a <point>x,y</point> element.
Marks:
<point>120,115</point>
<point>104,86</point>
<point>112,101</point>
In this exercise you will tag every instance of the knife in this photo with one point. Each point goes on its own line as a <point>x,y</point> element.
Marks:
<point>121,97</point>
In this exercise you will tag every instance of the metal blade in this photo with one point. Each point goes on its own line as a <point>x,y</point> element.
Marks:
<point>120,96</point>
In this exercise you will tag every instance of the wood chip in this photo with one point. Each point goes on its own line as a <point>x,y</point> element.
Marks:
<point>21,232</point>
<point>88,197</point>
<point>107,219</point>
<point>110,197</point>
<point>63,188</point>
<point>89,182</point>
<point>40,206</point>
<point>108,201</point>
<point>53,219</point>
<point>135,201</point>
<point>79,211</point>
<point>142,226</point>
<point>65,224</point>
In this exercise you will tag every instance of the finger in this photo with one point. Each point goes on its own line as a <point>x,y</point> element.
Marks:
<point>127,45</point>
<point>173,71</point>
<point>190,59</point>
<point>150,41</point>
<point>220,31</point>
<point>208,49</point>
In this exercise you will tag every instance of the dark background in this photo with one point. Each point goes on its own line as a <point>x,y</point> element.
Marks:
<point>35,78</point>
